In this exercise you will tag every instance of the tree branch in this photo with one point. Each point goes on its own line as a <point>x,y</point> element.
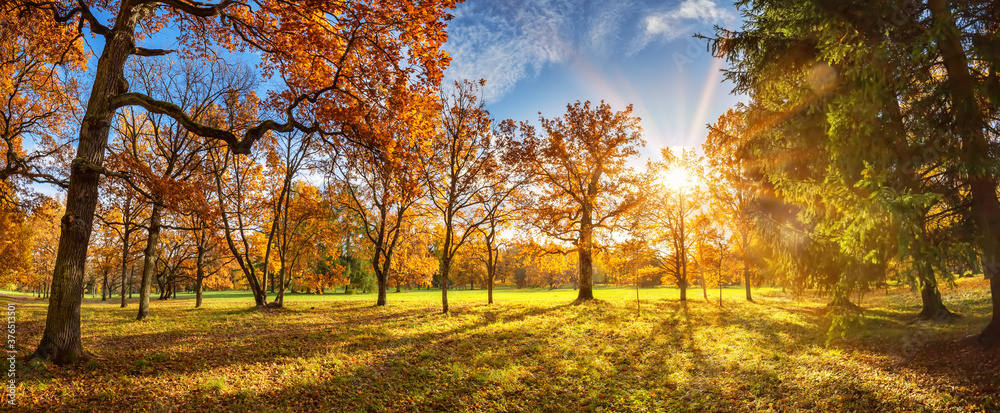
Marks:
<point>83,162</point>
<point>238,146</point>
<point>142,51</point>
<point>82,9</point>
<point>196,8</point>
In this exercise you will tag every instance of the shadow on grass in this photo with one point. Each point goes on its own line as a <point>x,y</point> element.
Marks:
<point>348,356</point>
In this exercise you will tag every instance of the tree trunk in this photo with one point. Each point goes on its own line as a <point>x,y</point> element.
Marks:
<point>382,278</point>
<point>974,150</point>
<point>842,299</point>
<point>746,265</point>
<point>149,262</point>
<point>445,264</point>
<point>105,291</point>
<point>682,268</point>
<point>491,274</point>
<point>60,341</point>
<point>279,300</point>
<point>933,307</point>
<point>124,270</point>
<point>720,281</point>
<point>586,262</point>
<point>382,288</point>
<point>746,279</point>
<point>704,286</point>
<point>161,284</point>
<point>197,290</point>
<point>991,333</point>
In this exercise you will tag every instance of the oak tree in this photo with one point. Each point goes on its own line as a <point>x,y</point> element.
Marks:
<point>583,182</point>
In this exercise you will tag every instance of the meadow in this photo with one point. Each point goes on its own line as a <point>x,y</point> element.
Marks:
<point>534,350</point>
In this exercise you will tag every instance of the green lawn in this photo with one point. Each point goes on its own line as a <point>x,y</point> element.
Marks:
<point>531,351</point>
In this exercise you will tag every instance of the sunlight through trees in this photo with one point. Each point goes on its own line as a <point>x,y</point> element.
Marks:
<point>310,151</point>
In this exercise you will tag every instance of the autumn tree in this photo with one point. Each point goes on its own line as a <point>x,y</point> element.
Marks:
<point>335,59</point>
<point>15,243</point>
<point>174,263</point>
<point>337,252</point>
<point>44,244</point>
<point>550,269</point>
<point>120,210</point>
<point>297,227</point>
<point>499,199</point>
<point>583,182</point>
<point>163,159</point>
<point>733,191</point>
<point>241,197</point>
<point>102,259</point>
<point>37,107</point>
<point>415,264</point>
<point>462,166</point>
<point>380,186</point>
<point>38,57</point>
<point>675,198</point>
<point>210,258</point>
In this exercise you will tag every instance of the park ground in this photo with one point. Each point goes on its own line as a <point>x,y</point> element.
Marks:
<point>534,350</point>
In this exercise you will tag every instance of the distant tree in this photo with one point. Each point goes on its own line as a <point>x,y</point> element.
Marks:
<point>102,256</point>
<point>380,185</point>
<point>675,199</point>
<point>733,191</point>
<point>299,227</point>
<point>414,264</point>
<point>120,210</point>
<point>44,244</point>
<point>174,263</point>
<point>202,228</point>
<point>499,200</point>
<point>551,269</point>
<point>462,167</point>
<point>15,249</point>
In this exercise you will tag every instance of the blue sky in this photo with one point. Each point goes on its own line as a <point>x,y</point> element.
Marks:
<point>539,55</point>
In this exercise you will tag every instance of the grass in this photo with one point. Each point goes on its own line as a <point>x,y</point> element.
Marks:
<point>531,351</point>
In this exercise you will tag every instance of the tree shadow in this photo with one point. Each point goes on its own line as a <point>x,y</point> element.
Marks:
<point>678,356</point>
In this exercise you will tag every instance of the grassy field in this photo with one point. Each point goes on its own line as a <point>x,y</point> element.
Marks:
<point>532,351</point>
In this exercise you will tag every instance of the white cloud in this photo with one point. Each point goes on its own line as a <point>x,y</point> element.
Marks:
<point>674,23</point>
<point>505,41</point>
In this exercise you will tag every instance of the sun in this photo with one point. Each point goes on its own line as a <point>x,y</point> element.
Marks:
<point>676,178</point>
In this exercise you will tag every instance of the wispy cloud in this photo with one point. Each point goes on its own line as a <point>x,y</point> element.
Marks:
<point>673,23</point>
<point>505,41</point>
